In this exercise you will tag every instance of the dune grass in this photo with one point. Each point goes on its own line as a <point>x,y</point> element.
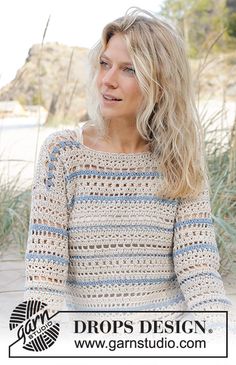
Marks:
<point>14,213</point>
<point>222,169</point>
<point>220,147</point>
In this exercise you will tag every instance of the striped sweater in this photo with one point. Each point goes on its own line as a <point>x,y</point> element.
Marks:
<point>101,239</point>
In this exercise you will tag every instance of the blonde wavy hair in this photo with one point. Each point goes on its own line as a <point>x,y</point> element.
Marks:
<point>168,118</point>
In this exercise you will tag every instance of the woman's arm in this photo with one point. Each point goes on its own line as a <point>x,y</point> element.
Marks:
<point>47,247</point>
<point>196,257</point>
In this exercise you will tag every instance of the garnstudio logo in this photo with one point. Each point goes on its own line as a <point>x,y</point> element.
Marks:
<point>34,326</point>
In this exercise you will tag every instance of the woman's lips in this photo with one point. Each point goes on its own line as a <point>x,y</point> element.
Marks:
<point>110,99</point>
<point>109,102</point>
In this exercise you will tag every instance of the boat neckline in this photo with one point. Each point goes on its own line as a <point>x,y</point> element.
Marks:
<point>144,153</point>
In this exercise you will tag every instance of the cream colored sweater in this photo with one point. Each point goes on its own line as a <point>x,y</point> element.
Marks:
<point>100,238</point>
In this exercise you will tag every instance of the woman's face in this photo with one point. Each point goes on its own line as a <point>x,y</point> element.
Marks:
<point>120,94</point>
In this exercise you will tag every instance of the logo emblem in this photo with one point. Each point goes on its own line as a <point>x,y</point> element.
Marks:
<point>34,326</point>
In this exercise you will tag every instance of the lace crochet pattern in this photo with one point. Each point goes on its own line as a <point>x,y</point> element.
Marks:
<point>100,238</point>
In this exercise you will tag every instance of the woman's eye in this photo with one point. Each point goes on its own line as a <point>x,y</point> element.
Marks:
<point>104,64</point>
<point>130,70</point>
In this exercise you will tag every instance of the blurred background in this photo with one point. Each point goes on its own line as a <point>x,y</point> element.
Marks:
<point>44,47</point>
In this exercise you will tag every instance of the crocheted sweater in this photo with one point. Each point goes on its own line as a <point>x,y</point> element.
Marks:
<point>102,239</point>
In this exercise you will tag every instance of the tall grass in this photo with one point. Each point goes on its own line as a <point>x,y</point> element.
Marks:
<point>222,167</point>
<point>220,143</point>
<point>14,214</point>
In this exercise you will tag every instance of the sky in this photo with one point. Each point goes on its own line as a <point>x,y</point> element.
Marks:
<point>72,22</point>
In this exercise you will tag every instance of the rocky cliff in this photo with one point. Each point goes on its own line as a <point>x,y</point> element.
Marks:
<point>54,76</point>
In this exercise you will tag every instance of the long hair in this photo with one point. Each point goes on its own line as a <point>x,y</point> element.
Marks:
<point>168,118</point>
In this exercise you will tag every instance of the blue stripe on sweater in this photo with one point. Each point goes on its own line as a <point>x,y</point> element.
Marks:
<point>50,258</point>
<point>193,221</point>
<point>111,174</point>
<point>120,226</point>
<point>121,281</point>
<point>129,198</point>
<point>196,247</point>
<point>67,143</point>
<point>214,301</point>
<point>201,274</point>
<point>44,227</point>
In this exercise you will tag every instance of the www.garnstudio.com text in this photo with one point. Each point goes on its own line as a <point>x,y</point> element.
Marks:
<point>162,343</point>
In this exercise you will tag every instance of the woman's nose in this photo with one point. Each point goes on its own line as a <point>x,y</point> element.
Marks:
<point>110,78</point>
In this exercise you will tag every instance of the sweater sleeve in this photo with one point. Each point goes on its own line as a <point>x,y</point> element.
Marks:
<point>196,257</point>
<point>47,247</point>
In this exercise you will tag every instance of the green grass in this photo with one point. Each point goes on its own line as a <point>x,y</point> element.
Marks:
<point>223,202</point>
<point>14,214</point>
<point>220,145</point>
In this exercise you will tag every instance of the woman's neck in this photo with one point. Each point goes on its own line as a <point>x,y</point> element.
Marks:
<point>124,137</point>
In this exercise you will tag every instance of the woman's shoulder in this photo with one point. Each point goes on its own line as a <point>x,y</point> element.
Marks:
<point>63,138</point>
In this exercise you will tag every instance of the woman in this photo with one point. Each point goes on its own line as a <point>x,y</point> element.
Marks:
<point>121,216</point>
